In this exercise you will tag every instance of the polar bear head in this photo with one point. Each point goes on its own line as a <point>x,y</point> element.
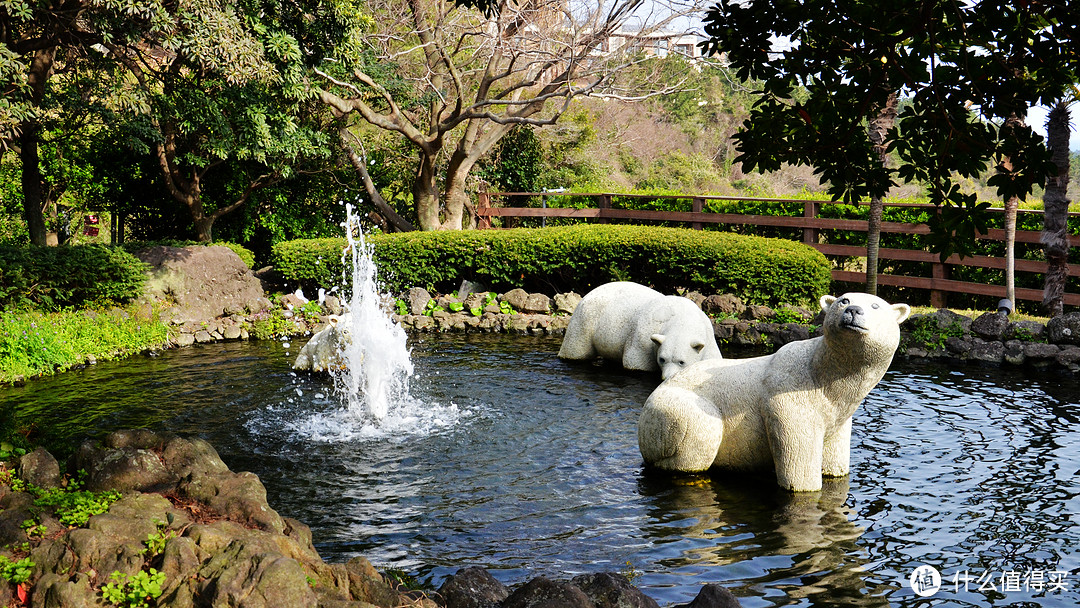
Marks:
<point>861,318</point>
<point>674,352</point>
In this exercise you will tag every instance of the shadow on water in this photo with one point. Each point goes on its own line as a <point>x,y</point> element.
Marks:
<point>527,465</point>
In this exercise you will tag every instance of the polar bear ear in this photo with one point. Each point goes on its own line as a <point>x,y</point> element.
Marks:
<point>826,300</point>
<point>902,312</point>
<point>658,338</point>
<point>697,345</point>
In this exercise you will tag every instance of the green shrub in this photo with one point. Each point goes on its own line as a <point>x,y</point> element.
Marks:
<point>759,270</point>
<point>33,343</point>
<point>51,278</point>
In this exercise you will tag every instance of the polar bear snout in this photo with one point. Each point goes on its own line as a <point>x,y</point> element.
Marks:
<point>854,317</point>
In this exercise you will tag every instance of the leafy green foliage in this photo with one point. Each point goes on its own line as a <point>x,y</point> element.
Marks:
<point>766,271</point>
<point>983,63</point>
<point>156,541</point>
<point>33,343</point>
<point>74,507</point>
<point>271,324</point>
<point>54,277</point>
<point>135,591</point>
<point>15,572</point>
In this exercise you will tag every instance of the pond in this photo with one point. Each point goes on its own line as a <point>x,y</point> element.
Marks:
<point>527,465</point>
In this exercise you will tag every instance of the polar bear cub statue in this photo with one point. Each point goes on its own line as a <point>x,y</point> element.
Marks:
<point>323,352</point>
<point>640,327</point>
<point>790,410</point>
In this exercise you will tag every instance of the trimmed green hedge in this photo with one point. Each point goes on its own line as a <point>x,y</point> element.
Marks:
<point>552,260</point>
<point>51,278</point>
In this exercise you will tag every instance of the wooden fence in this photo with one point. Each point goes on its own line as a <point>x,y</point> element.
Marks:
<point>812,228</point>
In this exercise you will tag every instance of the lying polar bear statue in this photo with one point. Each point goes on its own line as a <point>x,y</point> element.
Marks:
<point>641,327</point>
<point>791,409</point>
<point>323,352</point>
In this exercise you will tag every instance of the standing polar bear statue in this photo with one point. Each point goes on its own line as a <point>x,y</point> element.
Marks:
<point>791,409</point>
<point>640,327</point>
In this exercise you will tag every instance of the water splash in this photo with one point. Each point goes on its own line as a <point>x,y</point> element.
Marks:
<point>377,362</point>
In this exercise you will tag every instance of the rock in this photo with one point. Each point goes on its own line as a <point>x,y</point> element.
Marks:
<point>1028,331</point>
<point>231,332</point>
<point>122,469</point>
<point>365,584</point>
<point>473,588</point>
<point>1037,352</point>
<point>1064,329</point>
<point>537,303</point>
<point>696,297</point>
<point>990,352</point>
<point>40,468</point>
<point>201,282</point>
<point>949,320</point>
<point>417,299</point>
<point>608,590</point>
<point>239,496</point>
<point>469,287</point>
<point>1068,356</point>
<point>990,326</point>
<point>185,339</point>
<point>713,596</point>
<point>1014,352</point>
<point>757,312</point>
<point>790,332</point>
<point>202,336</point>
<point>545,593</point>
<point>332,306</point>
<point>292,301</point>
<point>517,298</point>
<point>726,304</point>
<point>565,303</point>
<point>957,345</point>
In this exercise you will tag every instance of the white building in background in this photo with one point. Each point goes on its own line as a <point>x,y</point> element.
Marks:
<point>659,43</point>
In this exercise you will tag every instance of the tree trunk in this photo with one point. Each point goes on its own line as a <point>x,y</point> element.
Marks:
<point>34,202</point>
<point>878,131</point>
<point>388,213</point>
<point>33,184</point>
<point>426,193</point>
<point>1055,236</point>
<point>1011,205</point>
<point>457,199</point>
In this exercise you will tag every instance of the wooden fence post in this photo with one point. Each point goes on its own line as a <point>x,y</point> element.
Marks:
<point>938,298</point>
<point>604,203</point>
<point>483,203</point>
<point>698,207</point>
<point>810,210</point>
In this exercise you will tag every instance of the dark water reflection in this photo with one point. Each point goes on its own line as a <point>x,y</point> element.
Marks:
<point>530,466</point>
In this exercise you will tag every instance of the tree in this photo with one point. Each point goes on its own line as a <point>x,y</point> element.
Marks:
<point>964,68</point>
<point>205,82</point>
<point>453,83</point>
<point>1055,237</point>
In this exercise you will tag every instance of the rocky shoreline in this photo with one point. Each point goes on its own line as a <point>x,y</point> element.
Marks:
<point>182,530</point>
<point>945,335</point>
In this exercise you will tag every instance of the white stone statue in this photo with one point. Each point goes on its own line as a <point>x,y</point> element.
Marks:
<point>790,410</point>
<point>640,327</point>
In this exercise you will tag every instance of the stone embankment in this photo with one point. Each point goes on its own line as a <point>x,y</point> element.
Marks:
<point>990,338</point>
<point>211,539</point>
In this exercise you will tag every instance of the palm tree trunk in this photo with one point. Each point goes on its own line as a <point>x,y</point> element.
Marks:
<point>878,131</point>
<point>1055,236</point>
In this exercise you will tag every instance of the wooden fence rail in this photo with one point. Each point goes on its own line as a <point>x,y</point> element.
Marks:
<point>812,228</point>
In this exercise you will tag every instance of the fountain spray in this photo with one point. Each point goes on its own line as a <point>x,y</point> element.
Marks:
<point>377,362</point>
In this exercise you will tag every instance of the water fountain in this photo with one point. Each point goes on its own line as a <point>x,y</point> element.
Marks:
<point>372,365</point>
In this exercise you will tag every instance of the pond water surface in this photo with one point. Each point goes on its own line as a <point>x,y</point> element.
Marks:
<point>528,466</point>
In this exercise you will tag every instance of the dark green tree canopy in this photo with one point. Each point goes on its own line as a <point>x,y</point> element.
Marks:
<point>962,70</point>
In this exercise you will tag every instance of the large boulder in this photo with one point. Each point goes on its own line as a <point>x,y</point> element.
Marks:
<point>201,282</point>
